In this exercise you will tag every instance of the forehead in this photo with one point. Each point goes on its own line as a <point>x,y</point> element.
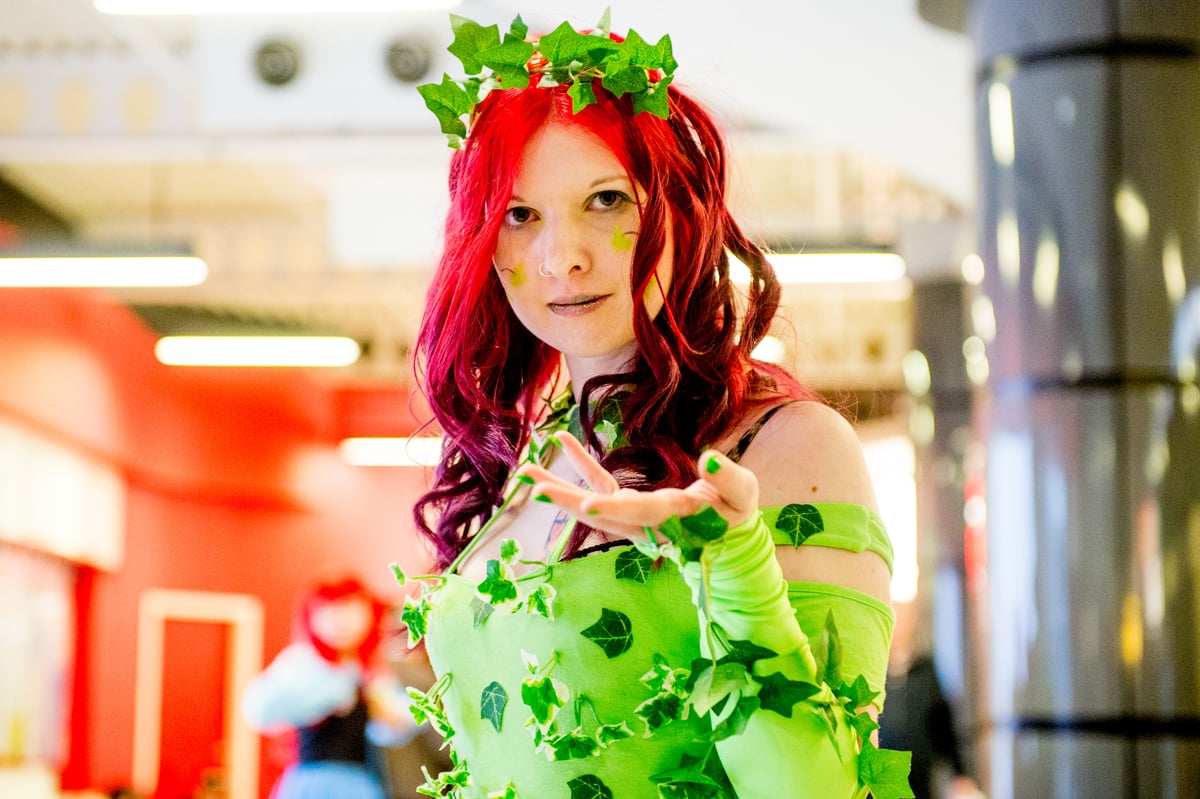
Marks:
<point>565,155</point>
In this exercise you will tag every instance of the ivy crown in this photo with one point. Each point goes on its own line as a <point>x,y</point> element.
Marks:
<point>563,57</point>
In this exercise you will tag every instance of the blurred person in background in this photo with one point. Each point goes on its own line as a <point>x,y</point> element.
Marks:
<point>919,718</point>
<point>332,688</point>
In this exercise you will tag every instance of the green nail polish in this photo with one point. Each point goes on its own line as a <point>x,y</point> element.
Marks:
<point>541,498</point>
<point>526,479</point>
<point>593,512</point>
<point>713,465</point>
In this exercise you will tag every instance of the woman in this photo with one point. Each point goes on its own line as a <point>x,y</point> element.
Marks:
<point>329,686</point>
<point>613,618</point>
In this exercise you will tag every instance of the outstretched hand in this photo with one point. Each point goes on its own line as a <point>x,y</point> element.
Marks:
<point>731,490</point>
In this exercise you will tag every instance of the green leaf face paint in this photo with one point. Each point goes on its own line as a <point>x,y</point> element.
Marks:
<point>621,241</point>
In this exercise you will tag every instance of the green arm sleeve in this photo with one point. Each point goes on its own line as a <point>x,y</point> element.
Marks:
<point>749,599</point>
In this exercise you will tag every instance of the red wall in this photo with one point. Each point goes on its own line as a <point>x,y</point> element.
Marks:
<point>234,485</point>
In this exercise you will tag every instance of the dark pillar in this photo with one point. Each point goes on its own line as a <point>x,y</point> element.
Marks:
<point>1089,232</point>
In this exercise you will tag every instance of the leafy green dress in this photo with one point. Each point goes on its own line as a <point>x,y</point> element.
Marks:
<point>599,678</point>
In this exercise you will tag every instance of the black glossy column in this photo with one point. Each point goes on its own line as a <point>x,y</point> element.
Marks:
<point>1089,164</point>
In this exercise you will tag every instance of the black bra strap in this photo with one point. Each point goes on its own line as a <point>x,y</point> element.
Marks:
<point>739,449</point>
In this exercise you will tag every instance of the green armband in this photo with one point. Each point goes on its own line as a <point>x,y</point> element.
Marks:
<point>746,592</point>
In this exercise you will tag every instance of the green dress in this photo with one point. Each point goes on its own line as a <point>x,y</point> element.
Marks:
<point>578,688</point>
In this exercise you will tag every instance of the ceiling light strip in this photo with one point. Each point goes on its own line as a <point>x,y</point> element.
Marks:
<point>316,351</point>
<point>397,451</point>
<point>140,270</point>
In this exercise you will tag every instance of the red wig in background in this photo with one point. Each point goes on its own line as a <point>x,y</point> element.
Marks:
<point>331,591</point>
<point>486,377</point>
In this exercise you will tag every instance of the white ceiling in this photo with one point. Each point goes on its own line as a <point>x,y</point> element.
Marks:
<point>322,200</point>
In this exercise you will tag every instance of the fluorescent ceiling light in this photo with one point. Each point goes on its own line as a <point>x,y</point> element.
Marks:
<point>424,451</point>
<point>108,270</point>
<point>257,350</point>
<point>827,267</point>
<point>198,7</point>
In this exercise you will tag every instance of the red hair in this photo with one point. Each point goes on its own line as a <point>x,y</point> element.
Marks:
<point>332,591</point>
<point>485,376</point>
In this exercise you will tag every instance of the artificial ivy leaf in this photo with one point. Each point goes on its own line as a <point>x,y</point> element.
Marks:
<point>719,682</point>
<point>589,786</point>
<point>611,733</point>
<point>415,616</point>
<point>492,702</point>
<point>448,101</point>
<point>613,632</point>
<point>582,95</point>
<point>736,719</point>
<point>779,694</point>
<point>509,550</point>
<point>604,26</point>
<point>664,56</point>
<point>509,62</point>
<point>633,565</point>
<point>746,653</point>
<point>542,699</point>
<point>517,31</point>
<point>658,710</point>
<point>654,99</point>
<point>541,601</point>
<point>705,524</point>
<point>662,678</point>
<point>480,611</point>
<point>573,745</point>
<point>864,725</point>
<point>698,667</point>
<point>798,522</point>
<point>509,792</point>
<point>624,80</point>
<point>857,694</point>
<point>398,573</point>
<point>885,772</point>
<point>565,44</point>
<point>497,588</point>
<point>827,651</point>
<point>469,39</point>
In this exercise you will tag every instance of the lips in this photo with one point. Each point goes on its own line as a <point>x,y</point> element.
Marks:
<point>576,305</point>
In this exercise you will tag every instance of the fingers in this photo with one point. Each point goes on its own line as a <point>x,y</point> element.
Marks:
<point>736,485</point>
<point>596,476</point>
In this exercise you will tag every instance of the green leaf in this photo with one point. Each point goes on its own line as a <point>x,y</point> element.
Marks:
<point>746,653</point>
<point>492,703</point>
<point>885,772</point>
<point>415,616</point>
<point>827,652</point>
<point>448,101</point>
<point>625,80</point>
<point>857,694</point>
<point>469,39</point>
<point>573,745</point>
<point>517,30</point>
<point>780,694</point>
<point>736,719</point>
<point>480,611</point>
<point>655,99</point>
<point>497,588</point>
<point>509,62</point>
<point>398,573</point>
<point>604,26</point>
<point>565,44</point>
<point>613,632</point>
<point>719,682</point>
<point>611,733</point>
<point>589,786</point>
<point>864,725</point>
<point>541,601</point>
<point>633,565</point>
<point>705,524</point>
<point>658,710</point>
<point>798,522</point>
<point>542,698</point>
<point>582,95</point>
<point>509,550</point>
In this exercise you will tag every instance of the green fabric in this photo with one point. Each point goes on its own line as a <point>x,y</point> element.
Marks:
<point>853,527</point>
<point>774,757</point>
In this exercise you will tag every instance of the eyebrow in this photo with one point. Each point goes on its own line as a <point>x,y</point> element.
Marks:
<point>597,182</point>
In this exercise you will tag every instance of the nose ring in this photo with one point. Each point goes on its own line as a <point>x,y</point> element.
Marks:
<point>542,270</point>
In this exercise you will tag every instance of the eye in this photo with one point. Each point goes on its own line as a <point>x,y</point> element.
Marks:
<point>608,199</point>
<point>515,217</point>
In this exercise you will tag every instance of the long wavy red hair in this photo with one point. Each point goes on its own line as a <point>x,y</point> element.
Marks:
<point>486,377</point>
<point>332,590</point>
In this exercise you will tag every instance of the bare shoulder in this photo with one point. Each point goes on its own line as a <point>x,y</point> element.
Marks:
<point>809,452</point>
